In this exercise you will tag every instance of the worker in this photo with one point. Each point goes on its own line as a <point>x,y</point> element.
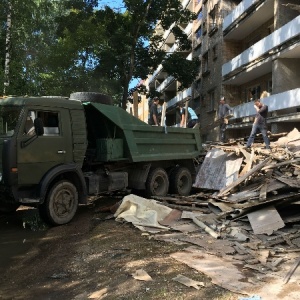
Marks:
<point>192,119</point>
<point>259,124</point>
<point>153,116</point>
<point>224,110</point>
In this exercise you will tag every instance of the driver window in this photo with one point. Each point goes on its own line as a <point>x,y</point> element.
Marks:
<point>50,121</point>
<point>29,126</point>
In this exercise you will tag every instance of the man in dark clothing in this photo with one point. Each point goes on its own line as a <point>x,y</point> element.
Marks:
<point>224,110</point>
<point>153,118</point>
<point>260,124</point>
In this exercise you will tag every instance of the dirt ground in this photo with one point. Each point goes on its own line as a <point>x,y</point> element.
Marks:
<point>94,258</point>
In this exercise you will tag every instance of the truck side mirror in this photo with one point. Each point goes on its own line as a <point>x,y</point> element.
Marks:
<point>39,126</point>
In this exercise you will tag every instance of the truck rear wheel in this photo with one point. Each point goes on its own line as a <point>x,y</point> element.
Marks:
<point>157,183</point>
<point>61,203</point>
<point>92,97</point>
<point>181,181</point>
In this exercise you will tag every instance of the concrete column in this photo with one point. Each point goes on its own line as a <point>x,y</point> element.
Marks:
<point>285,74</point>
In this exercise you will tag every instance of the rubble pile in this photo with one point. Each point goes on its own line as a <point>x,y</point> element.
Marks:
<point>241,224</point>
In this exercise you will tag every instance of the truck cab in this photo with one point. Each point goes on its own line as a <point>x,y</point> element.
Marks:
<point>41,138</point>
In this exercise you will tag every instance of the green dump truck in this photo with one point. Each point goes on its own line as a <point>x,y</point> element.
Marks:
<point>57,151</point>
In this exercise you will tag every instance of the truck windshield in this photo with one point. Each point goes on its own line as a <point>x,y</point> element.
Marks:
<point>9,116</point>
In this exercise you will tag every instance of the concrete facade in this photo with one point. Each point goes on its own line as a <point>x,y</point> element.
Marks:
<point>246,47</point>
<point>267,59</point>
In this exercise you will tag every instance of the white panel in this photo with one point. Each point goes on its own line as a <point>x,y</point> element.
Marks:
<point>275,39</point>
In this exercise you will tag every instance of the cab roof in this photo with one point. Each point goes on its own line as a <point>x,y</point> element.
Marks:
<point>41,101</point>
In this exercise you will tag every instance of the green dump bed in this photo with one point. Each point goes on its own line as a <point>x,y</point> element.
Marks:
<point>117,135</point>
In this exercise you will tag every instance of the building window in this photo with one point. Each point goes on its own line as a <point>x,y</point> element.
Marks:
<point>202,100</point>
<point>211,101</point>
<point>197,51</point>
<point>197,88</point>
<point>200,16</point>
<point>214,52</point>
<point>213,20</point>
<point>205,64</point>
<point>199,33</point>
<point>204,28</point>
<point>270,86</point>
<point>253,93</point>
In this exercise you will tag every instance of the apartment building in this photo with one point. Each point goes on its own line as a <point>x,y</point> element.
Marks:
<point>246,47</point>
<point>165,84</point>
<point>206,36</point>
<point>261,42</point>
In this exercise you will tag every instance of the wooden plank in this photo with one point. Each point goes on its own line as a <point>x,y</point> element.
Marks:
<point>244,177</point>
<point>249,161</point>
<point>266,220</point>
<point>264,188</point>
<point>292,182</point>
<point>242,196</point>
<point>163,114</point>
<point>281,164</point>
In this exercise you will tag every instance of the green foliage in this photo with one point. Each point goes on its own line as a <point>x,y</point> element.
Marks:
<point>185,71</point>
<point>63,46</point>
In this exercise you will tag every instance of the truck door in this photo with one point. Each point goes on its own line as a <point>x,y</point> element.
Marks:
<point>37,154</point>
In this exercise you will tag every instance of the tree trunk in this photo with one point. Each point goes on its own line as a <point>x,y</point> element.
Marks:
<point>132,56</point>
<point>7,47</point>
<point>125,95</point>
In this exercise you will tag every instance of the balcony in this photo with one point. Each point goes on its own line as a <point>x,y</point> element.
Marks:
<point>180,97</point>
<point>198,6</point>
<point>246,17</point>
<point>186,3</point>
<point>168,83</point>
<point>154,75</point>
<point>188,29</point>
<point>277,43</point>
<point>286,100</point>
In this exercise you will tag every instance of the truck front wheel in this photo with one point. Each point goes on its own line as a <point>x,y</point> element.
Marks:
<point>61,203</point>
<point>181,181</point>
<point>157,183</point>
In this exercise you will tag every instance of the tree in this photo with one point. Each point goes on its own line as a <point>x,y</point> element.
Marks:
<point>29,39</point>
<point>55,47</point>
<point>7,47</point>
<point>127,44</point>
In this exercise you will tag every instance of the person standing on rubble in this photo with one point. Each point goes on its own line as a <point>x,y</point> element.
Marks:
<point>260,123</point>
<point>224,110</point>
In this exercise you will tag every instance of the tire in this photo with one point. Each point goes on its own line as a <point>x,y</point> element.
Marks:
<point>157,183</point>
<point>92,97</point>
<point>60,204</point>
<point>181,181</point>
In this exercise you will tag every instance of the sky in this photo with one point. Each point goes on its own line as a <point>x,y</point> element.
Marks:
<point>118,4</point>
